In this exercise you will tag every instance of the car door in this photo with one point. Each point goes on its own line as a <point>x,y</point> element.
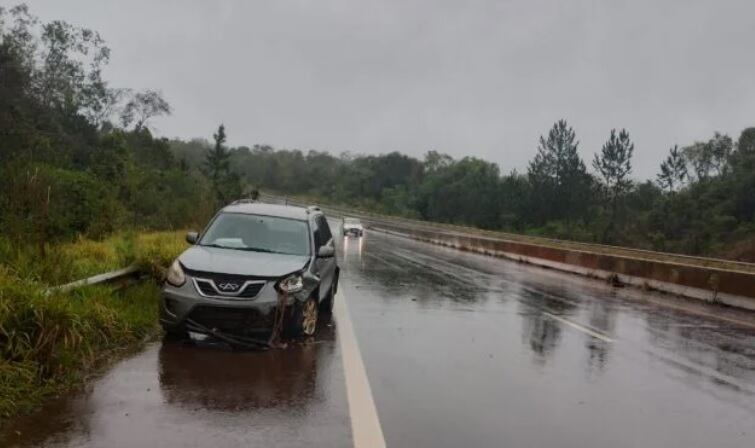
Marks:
<point>326,266</point>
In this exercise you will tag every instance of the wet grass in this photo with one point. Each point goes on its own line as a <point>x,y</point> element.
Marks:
<point>63,263</point>
<point>51,342</point>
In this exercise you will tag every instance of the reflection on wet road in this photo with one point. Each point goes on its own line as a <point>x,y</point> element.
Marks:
<point>466,350</point>
<point>459,350</point>
<point>179,395</point>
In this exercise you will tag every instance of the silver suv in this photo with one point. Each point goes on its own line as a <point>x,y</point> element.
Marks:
<point>250,258</point>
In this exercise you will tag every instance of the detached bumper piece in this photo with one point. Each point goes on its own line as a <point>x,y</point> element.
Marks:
<point>233,340</point>
<point>240,321</point>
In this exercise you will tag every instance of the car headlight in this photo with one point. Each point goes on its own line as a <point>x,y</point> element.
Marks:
<point>175,276</point>
<point>292,283</point>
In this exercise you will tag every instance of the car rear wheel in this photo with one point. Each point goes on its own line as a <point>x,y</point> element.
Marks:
<point>303,321</point>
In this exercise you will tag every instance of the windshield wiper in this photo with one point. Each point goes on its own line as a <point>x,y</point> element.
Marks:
<point>220,246</point>
<point>258,249</point>
<point>248,249</point>
<point>216,245</point>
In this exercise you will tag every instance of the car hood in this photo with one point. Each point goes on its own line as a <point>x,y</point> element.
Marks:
<point>238,262</point>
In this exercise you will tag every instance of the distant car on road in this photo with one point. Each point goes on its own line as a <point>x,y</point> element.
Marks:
<point>230,279</point>
<point>352,226</point>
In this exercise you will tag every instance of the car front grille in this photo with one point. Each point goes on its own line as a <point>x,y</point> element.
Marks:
<point>210,288</point>
<point>251,290</point>
<point>206,288</point>
<point>226,285</point>
<point>236,320</point>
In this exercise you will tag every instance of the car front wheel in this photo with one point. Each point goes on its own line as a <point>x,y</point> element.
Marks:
<point>326,305</point>
<point>303,321</point>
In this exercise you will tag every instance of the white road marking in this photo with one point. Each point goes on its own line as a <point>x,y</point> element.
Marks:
<point>579,327</point>
<point>365,425</point>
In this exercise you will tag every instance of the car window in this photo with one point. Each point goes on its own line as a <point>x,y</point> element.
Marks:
<point>322,232</point>
<point>257,233</point>
<point>325,229</point>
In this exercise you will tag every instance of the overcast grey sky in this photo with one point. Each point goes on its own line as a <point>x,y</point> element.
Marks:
<point>465,77</point>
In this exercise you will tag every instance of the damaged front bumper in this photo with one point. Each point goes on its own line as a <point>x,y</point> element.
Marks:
<point>186,308</point>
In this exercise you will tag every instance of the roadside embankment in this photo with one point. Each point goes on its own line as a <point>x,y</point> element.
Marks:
<point>53,339</point>
<point>712,280</point>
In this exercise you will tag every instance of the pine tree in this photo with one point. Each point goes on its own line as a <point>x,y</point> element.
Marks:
<point>673,170</point>
<point>558,175</point>
<point>614,165</point>
<point>217,168</point>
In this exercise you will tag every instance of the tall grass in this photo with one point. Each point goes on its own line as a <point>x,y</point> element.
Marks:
<point>156,250</point>
<point>84,257</point>
<point>51,341</point>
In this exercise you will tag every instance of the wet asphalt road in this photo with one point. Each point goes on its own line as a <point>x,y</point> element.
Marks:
<point>460,350</point>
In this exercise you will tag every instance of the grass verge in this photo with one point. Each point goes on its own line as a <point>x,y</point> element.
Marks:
<point>51,342</point>
<point>63,263</point>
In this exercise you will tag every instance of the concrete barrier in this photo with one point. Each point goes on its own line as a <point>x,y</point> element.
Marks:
<point>712,280</point>
<point>729,287</point>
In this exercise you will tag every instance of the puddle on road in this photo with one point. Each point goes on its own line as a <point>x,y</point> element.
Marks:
<point>202,394</point>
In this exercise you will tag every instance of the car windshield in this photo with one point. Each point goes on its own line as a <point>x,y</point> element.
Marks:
<point>257,233</point>
<point>350,221</point>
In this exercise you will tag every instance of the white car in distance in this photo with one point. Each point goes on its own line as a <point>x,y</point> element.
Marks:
<point>352,227</point>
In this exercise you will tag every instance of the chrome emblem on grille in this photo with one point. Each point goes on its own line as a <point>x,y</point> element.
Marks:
<point>228,286</point>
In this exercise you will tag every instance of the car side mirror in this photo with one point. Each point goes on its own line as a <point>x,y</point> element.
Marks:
<point>192,237</point>
<point>326,251</point>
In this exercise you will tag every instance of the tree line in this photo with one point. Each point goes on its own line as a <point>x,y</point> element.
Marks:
<point>700,203</point>
<point>78,156</point>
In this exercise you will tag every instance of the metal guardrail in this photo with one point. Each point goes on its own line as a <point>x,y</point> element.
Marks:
<point>116,276</point>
